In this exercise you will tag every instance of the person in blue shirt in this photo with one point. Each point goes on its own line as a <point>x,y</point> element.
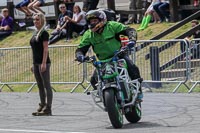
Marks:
<point>6,27</point>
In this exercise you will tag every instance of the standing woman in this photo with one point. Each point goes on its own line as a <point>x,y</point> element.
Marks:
<point>41,65</point>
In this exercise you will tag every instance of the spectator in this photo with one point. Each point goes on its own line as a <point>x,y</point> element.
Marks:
<point>22,6</point>
<point>34,6</point>
<point>60,31</point>
<point>41,65</point>
<point>195,48</point>
<point>134,5</point>
<point>6,27</point>
<point>161,9</point>
<point>1,18</point>
<point>196,2</point>
<point>90,5</point>
<point>68,3</point>
<point>77,23</point>
<point>148,15</point>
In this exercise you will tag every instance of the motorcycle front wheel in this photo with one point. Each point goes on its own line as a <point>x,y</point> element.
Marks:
<point>135,113</point>
<point>114,112</point>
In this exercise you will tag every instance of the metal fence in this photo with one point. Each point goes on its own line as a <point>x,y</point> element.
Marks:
<point>16,63</point>
<point>163,62</point>
<point>195,63</point>
<point>159,61</point>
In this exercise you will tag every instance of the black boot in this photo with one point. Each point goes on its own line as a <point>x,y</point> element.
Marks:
<point>40,108</point>
<point>45,112</point>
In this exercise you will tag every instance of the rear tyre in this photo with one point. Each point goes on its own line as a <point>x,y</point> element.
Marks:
<point>114,112</point>
<point>135,113</point>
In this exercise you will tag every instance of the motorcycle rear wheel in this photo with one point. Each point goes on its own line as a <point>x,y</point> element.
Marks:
<point>114,112</point>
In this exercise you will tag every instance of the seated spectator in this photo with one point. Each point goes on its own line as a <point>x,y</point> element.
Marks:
<point>1,18</point>
<point>134,5</point>
<point>161,9</point>
<point>22,6</point>
<point>60,31</point>
<point>90,5</point>
<point>6,27</point>
<point>77,23</point>
<point>34,6</point>
<point>148,15</point>
<point>196,2</point>
<point>69,4</point>
<point>195,48</point>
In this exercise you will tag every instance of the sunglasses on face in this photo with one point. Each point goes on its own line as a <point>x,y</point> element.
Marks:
<point>62,7</point>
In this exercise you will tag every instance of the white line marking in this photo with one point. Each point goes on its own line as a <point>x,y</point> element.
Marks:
<point>34,131</point>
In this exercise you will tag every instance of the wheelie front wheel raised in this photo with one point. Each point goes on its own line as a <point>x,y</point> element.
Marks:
<point>135,113</point>
<point>114,112</point>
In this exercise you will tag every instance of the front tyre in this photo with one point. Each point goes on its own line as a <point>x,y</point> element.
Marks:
<point>113,108</point>
<point>135,113</point>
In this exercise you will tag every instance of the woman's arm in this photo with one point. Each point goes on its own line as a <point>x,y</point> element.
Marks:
<point>45,54</point>
<point>64,25</point>
<point>72,20</point>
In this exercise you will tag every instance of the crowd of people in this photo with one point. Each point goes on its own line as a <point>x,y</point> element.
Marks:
<point>71,18</point>
<point>157,11</point>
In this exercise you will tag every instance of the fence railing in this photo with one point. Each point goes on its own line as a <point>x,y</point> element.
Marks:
<point>15,65</point>
<point>168,66</point>
<point>195,63</point>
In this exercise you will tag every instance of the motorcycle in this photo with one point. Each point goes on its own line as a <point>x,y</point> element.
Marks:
<point>116,93</point>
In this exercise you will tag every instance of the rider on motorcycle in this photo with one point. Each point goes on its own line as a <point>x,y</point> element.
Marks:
<point>104,37</point>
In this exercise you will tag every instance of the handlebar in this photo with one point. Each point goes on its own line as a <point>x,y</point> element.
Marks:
<point>92,59</point>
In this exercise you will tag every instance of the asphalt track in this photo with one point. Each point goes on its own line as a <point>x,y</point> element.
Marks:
<point>76,113</point>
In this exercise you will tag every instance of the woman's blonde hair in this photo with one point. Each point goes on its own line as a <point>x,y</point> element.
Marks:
<point>43,23</point>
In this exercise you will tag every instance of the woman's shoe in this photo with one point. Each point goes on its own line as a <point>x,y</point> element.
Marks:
<point>45,112</point>
<point>40,108</point>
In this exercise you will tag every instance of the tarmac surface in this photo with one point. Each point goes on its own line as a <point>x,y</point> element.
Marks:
<point>76,113</point>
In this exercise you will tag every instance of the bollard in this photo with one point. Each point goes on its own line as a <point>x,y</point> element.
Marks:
<point>155,67</point>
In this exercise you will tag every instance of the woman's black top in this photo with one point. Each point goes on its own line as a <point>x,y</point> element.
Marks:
<point>37,47</point>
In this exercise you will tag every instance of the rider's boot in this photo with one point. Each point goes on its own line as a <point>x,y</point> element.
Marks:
<point>140,96</point>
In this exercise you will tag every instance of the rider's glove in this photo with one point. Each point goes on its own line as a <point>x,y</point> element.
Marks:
<point>131,44</point>
<point>81,58</point>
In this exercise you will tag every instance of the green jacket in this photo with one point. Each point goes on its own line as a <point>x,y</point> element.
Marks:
<point>104,44</point>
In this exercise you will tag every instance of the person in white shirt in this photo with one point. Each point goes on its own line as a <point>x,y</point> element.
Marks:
<point>77,23</point>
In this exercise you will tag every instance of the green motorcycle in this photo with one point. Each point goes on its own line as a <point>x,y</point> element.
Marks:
<point>116,93</point>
